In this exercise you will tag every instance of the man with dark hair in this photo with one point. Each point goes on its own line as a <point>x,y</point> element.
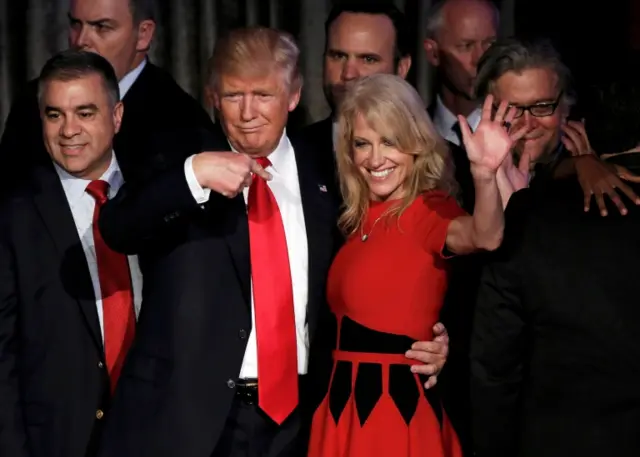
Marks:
<point>68,303</point>
<point>122,31</point>
<point>363,37</point>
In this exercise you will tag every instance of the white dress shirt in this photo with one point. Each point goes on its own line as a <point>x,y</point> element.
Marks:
<point>82,205</point>
<point>286,189</point>
<point>128,80</point>
<point>444,120</point>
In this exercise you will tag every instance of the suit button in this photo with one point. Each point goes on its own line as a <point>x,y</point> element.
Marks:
<point>99,414</point>
<point>242,334</point>
<point>231,384</point>
<point>100,365</point>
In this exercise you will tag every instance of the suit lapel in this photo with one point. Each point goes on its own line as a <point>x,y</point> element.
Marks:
<point>237,238</point>
<point>236,225</point>
<point>320,211</point>
<point>53,207</point>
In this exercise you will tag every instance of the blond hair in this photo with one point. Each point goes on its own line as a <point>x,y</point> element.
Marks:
<point>255,52</point>
<point>395,111</point>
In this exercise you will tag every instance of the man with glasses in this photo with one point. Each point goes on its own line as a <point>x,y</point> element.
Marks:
<point>532,77</point>
<point>555,353</point>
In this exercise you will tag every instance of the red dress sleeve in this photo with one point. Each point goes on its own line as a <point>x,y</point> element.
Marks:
<point>435,212</point>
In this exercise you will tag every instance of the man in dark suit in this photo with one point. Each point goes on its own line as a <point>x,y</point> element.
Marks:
<point>210,373</point>
<point>555,348</point>
<point>363,37</point>
<point>122,31</point>
<point>68,303</point>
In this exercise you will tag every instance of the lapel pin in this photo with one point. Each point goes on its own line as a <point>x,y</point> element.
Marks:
<point>322,187</point>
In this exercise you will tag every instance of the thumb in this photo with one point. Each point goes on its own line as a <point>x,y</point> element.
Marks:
<point>525,163</point>
<point>257,169</point>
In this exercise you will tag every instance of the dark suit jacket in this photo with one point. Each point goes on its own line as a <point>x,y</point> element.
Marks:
<point>320,134</point>
<point>178,383</point>
<point>53,378</point>
<point>154,104</point>
<point>555,348</point>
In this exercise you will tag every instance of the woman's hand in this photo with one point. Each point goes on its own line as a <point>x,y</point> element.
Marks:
<point>492,141</point>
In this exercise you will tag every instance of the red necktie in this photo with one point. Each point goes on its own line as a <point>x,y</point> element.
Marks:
<point>275,325</point>
<point>117,297</point>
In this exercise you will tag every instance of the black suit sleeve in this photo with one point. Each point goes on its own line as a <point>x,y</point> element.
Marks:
<point>139,214</point>
<point>12,431</point>
<point>498,346</point>
<point>156,197</point>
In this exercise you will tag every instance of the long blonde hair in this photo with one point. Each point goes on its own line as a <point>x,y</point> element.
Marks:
<point>395,111</point>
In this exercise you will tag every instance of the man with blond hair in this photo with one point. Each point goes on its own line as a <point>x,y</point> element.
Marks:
<point>242,242</point>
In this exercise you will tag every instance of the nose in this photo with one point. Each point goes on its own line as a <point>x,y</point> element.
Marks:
<point>247,111</point>
<point>80,37</point>
<point>530,121</point>
<point>376,159</point>
<point>69,127</point>
<point>350,70</point>
<point>476,54</point>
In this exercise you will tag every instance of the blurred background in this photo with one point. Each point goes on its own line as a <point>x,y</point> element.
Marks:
<point>593,37</point>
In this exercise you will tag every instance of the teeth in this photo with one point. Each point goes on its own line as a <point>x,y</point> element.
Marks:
<point>381,174</point>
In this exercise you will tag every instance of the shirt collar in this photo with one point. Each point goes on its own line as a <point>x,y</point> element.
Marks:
<point>281,155</point>
<point>130,78</point>
<point>74,188</point>
<point>444,119</point>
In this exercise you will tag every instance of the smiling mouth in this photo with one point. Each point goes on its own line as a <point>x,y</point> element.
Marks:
<point>381,174</point>
<point>250,129</point>
<point>72,147</point>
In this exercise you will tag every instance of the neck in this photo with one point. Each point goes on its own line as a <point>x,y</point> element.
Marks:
<point>140,56</point>
<point>456,103</point>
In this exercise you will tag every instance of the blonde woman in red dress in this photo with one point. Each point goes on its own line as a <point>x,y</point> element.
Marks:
<point>387,284</point>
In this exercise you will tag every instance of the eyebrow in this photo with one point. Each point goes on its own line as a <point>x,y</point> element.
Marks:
<point>357,54</point>
<point>102,21</point>
<point>85,107</point>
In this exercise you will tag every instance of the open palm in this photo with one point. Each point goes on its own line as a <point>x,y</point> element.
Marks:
<point>488,146</point>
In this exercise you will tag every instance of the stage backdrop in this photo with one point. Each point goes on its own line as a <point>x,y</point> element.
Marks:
<point>32,30</point>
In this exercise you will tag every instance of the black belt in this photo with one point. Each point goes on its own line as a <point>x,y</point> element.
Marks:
<point>247,390</point>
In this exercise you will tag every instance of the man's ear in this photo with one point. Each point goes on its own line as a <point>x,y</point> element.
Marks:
<point>146,31</point>
<point>404,66</point>
<point>432,52</point>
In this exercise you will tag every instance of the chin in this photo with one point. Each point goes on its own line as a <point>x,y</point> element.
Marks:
<point>382,193</point>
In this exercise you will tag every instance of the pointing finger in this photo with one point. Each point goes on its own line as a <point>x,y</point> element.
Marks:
<point>258,170</point>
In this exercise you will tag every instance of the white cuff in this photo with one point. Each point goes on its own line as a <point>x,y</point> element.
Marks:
<point>200,194</point>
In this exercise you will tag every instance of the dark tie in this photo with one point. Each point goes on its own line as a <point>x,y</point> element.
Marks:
<point>115,286</point>
<point>275,325</point>
<point>456,129</point>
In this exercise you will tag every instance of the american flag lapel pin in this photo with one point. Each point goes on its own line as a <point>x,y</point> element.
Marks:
<point>322,187</point>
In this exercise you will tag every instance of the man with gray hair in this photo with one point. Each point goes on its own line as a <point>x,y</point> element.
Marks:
<point>555,347</point>
<point>532,77</point>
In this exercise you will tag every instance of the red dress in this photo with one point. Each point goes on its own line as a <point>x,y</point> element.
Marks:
<point>387,293</point>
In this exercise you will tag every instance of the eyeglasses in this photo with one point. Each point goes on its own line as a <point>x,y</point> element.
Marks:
<point>538,110</point>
